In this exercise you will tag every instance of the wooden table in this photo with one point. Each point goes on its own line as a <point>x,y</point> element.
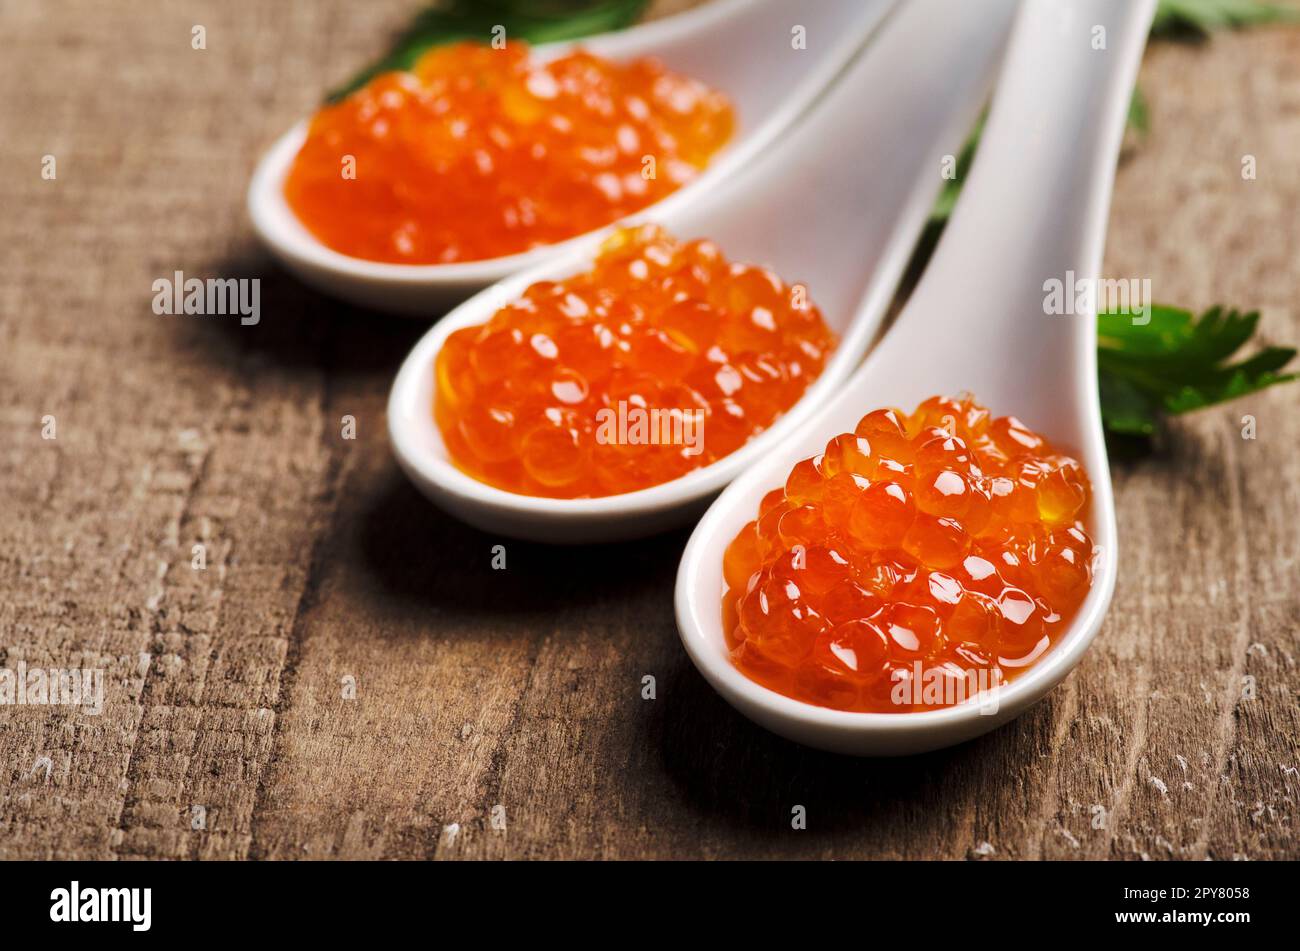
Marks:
<point>226,731</point>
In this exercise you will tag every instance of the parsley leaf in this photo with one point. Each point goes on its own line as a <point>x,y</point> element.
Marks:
<point>947,199</point>
<point>1198,18</point>
<point>1139,115</point>
<point>1177,363</point>
<point>537,21</point>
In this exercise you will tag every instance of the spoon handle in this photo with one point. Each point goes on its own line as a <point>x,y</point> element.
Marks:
<point>1034,210</point>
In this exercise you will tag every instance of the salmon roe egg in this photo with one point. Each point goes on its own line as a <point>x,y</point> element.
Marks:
<point>917,561</point>
<point>480,152</point>
<point>662,358</point>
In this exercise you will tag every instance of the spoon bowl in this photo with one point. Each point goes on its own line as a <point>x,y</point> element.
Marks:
<point>836,205</point>
<point>1034,209</point>
<point>742,47</point>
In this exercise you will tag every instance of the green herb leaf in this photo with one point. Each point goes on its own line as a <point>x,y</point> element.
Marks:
<point>1139,116</point>
<point>947,199</point>
<point>536,21</point>
<point>1176,363</point>
<point>1198,18</point>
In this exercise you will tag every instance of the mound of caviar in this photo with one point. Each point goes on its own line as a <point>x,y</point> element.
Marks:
<point>480,152</point>
<point>918,560</point>
<point>662,358</point>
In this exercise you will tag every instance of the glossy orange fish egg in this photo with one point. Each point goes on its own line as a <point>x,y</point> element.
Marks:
<point>627,375</point>
<point>943,549</point>
<point>480,152</point>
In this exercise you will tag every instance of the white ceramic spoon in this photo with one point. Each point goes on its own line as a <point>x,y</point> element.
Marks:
<point>836,205</point>
<point>1034,208</point>
<point>744,48</point>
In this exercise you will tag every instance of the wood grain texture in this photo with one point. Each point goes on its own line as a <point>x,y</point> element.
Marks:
<point>521,688</point>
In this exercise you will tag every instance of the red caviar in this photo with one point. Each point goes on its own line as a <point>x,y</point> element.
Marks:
<point>662,358</point>
<point>918,560</point>
<point>481,152</point>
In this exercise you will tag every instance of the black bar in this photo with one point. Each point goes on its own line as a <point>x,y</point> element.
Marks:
<point>971,899</point>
